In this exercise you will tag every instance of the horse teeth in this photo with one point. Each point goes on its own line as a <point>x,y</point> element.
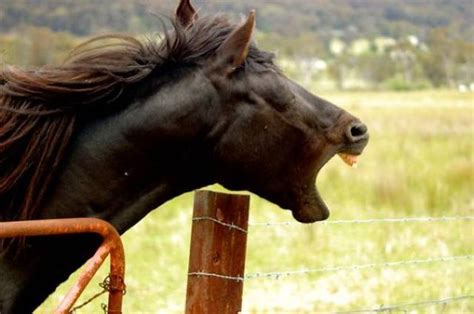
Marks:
<point>351,160</point>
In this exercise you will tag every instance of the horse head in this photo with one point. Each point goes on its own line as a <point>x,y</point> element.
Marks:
<point>272,136</point>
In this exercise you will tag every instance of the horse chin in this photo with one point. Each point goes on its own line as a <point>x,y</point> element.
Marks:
<point>308,205</point>
<point>311,209</point>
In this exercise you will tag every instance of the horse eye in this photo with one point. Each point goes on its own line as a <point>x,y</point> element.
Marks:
<point>288,98</point>
<point>283,100</point>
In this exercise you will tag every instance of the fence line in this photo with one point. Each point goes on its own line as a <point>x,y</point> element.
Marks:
<point>342,222</point>
<point>205,274</point>
<point>415,304</point>
<point>369,221</point>
<point>277,275</point>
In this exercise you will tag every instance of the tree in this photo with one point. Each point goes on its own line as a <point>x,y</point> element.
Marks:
<point>375,68</point>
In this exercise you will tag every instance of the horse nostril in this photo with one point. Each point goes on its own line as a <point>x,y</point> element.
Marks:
<point>357,131</point>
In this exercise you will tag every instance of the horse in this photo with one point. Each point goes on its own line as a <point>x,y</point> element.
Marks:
<point>126,124</point>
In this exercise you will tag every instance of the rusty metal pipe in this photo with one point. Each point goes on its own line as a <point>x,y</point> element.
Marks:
<point>93,264</point>
<point>111,245</point>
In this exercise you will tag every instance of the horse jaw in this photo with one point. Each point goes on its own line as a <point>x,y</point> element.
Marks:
<point>311,207</point>
<point>308,206</point>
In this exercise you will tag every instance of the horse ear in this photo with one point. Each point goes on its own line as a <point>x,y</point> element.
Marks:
<point>185,13</point>
<point>234,50</point>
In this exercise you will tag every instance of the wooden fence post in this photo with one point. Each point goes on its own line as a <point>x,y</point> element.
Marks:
<point>218,247</point>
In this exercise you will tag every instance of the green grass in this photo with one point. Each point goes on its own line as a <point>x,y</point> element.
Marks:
<point>419,163</point>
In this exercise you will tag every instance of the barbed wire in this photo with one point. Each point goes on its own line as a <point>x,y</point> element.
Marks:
<point>205,274</point>
<point>369,221</point>
<point>382,308</point>
<point>277,275</point>
<point>414,304</point>
<point>230,226</point>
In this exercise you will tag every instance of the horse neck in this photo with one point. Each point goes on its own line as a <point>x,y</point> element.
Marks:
<point>123,166</point>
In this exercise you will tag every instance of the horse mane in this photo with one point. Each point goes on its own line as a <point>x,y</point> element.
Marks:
<point>40,108</point>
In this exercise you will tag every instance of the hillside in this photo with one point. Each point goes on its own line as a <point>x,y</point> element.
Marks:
<point>346,19</point>
<point>346,44</point>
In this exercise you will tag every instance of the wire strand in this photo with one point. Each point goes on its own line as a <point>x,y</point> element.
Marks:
<point>369,221</point>
<point>414,304</point>
<point>277,275</point>
<point>231,226</point>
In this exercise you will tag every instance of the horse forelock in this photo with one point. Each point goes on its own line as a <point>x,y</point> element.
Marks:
<point>39,107</point>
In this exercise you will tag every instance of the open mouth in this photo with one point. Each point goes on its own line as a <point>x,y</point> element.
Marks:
<point>311,207</point>
<point>350,155</point>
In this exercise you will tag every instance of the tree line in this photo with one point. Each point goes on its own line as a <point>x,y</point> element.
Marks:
<point>351,44</point>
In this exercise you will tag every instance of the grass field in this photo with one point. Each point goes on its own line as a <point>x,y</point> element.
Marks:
<point>419,162</point>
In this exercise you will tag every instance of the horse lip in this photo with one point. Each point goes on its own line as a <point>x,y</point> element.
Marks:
<point>355,148</point>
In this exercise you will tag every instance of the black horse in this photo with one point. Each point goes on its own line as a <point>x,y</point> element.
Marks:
<point>125,125</point>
